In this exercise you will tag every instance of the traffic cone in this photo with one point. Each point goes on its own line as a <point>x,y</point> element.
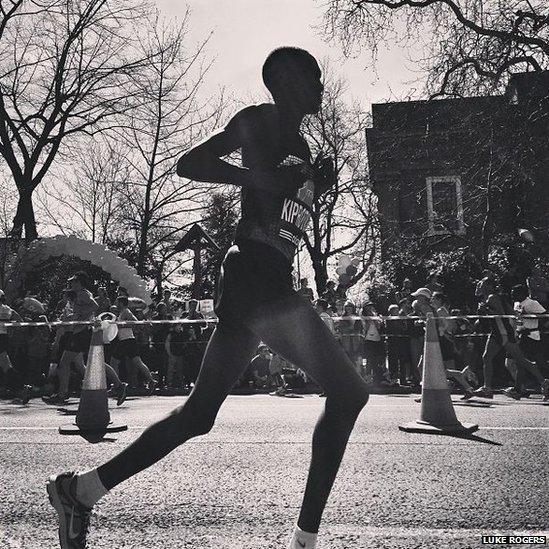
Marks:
<point>437,411</point>
<point>93,419</point>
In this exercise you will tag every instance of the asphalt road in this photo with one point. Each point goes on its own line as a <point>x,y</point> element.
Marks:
<point>240,487</point>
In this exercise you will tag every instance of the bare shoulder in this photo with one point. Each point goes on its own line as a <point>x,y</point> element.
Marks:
<point>255,118</point>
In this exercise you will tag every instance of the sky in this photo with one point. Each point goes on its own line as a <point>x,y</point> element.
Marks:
<point>245,31</point>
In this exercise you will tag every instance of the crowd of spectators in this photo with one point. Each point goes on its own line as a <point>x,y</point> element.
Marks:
<point>386,350</point>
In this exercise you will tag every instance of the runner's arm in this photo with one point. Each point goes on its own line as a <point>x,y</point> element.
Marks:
<point>204,162</point>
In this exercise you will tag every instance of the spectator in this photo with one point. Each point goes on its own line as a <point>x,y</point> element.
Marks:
<point>374,351</point>
<point>408,326</point>
<point>304,290</point>
<point>433,283</point>
<point>421,306</point>
<point>193,335</point>
<point>259,367</point>
<point>178,374</point>
<point>103,301</point>
<point>13,378</point>
<point>321,306</point>
<point>398,346</point>
<point>167,300</point>
<point>38,351</point>
<point>277,365</point>
<point>350,334</point>
<point>406,290</point>
<point>159,334</point>
<point>538,286</point>
<point>330,294</point>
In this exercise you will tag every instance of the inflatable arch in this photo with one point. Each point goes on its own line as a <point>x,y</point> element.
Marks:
<point>97,254</point>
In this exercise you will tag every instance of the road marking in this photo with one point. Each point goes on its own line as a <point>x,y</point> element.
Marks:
<point>140,427</point>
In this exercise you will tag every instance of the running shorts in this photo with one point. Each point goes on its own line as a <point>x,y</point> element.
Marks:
<point>446,348</point>
<point>126,348</point>
<point>254,278</point>
<point>79,342</point>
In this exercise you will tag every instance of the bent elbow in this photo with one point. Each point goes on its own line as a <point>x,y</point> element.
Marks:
<point>185,165</point>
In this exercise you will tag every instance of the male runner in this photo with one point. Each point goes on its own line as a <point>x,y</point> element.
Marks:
<point>127,346</point>
<point>255,300</point>
<point>502,335</point>
<point>529,342</point>
<point>82,307</point>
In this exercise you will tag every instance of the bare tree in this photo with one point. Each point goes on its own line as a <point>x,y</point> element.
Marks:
<point>469,45</point>
<point>86,198</point>
<point>173,116</point>
<point>344,218</point>
<point>66,68</point>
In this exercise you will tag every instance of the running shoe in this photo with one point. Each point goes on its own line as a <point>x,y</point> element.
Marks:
<point>482,392</point>
<point>57,400</point>
<point>74,518</point>
<point>545,390</point>
<point>467,396</point>
<point>25,394</point>
<point>121,393</point>
<point>151,386</point>
<point>511,392</point>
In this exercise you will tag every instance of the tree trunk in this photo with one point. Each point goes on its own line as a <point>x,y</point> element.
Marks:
<point>321,276</point>
<point>24,218</point>
<point>142,252</point>
<point>197,268</point>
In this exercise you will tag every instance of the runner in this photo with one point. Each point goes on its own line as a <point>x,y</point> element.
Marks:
<point>74,342</point>
<point>255,300</point>
<point>529,343</point>
<point>502,336</point>
<point>126,347</point>
<point>446,330</point>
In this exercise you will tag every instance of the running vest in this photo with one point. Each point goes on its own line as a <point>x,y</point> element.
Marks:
<point>279,222</point>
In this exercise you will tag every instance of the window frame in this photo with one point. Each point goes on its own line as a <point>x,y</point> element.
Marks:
<point>456,179</point>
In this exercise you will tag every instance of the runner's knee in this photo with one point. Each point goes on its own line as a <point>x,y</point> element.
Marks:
<point>350,404</point>
<point>189,424</point>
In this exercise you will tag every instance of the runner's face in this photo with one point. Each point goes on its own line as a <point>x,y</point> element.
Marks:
<point>312,89</point>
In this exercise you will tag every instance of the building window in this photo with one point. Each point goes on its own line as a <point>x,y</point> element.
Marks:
<point>444,205</point>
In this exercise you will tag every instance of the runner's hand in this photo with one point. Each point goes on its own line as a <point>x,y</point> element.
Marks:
<point>291,178</point>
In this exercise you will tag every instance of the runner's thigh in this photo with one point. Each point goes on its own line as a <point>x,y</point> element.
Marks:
<point>229,351</point>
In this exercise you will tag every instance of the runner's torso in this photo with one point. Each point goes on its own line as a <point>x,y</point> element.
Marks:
<point>500,328</point>
<point>279,222</point>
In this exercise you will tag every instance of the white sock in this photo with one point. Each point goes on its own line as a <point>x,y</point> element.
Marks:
<point>89,488</point>
<point>302,539</point>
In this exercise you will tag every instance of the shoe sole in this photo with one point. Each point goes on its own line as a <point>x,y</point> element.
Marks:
<point>51,488</point>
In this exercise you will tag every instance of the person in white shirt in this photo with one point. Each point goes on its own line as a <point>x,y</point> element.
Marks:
<point>12,376</point>
<point>529,342</point>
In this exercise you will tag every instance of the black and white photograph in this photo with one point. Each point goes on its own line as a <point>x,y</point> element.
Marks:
<point>274,274</point>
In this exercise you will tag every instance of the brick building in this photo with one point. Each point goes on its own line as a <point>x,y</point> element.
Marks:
<point>459,171</point>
